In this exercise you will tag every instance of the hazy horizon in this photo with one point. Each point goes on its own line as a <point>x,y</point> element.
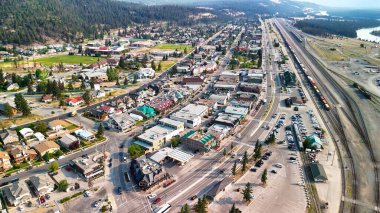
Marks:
<point>354,4</point>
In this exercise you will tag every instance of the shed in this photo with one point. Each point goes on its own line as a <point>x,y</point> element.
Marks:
<point>318,172</point>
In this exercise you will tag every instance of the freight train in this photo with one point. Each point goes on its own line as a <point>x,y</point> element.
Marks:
<point>310,80</point>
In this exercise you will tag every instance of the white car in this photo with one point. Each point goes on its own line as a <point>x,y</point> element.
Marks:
<point>278,165</point>
<point>152,196</point>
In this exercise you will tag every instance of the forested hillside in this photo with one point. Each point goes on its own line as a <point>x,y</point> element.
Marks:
<point>324,27</point>
<point>26,21</point>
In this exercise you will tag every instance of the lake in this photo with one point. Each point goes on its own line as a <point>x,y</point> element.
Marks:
<point>365,34</point>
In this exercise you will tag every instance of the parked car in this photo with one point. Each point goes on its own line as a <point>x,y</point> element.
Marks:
<point>274,171</point>
<point>278,165</point>
<point>194,197</point>
<point>253,169</point>
<point>292,158</point>
<point>119,190</point>
<point>157,200</point>
<point>96,204</point>
<point>152,196</point>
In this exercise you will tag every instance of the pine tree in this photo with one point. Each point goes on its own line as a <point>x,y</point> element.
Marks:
<point>87,97</point>
<point>224,152</point>
<point>70,86</point>
<point>83,85</point>
<point>159,66</point>
<point>244,162</point>
<point>185,209</point>
<point>8,111</point>
<point>30,89</point>
<point>264,177</point>
<point>234,209</point>
<point>247,193</point>
<point>22,104</point>
<point>100,131</point>
<point>126,81</point>
<point>153,65</point>
<point>234,169</point>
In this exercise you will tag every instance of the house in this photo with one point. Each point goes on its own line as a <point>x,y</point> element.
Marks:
<point>146,111</point>
<point>9,137</point>
<point>215,192</point>
<point>228,119</point>
<point>47,98</point>
<point>74,101</point>
<point>107,109</point>
<point>20,155</point>
<point>5,161</point>
<point>144,73</point>
<point>90,167</point>
<point>2,108</point>
<point>198,142</point>
<point>242,111</point>
<point>42,184</point>
<point>219,131</point>
<point>97,94</point>
<point>56,125</point>
<point>146,172</point>
<point>40,137</point>
<point>220,99</point>
<point>121,122</point>
<point>160,135</point>
<point>85,135</point>
<point>13,86</point>
<point>68,142</point>
<point>168,153</point>
<point>98,114</point>
<point>46,147</point>
<point>318,172</point>
<point>17,194</point>
<point>26,132</point>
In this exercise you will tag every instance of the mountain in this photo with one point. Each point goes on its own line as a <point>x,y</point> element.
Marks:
<point>27,21</point>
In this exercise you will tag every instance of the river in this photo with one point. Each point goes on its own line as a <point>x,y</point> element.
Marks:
<point>365,34</point>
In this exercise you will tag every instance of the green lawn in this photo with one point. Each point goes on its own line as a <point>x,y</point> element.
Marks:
<point>180,47</point>
<point>166,64</point>
<point>66,59</point>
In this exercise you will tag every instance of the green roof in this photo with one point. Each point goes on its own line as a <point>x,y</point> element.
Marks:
<point>318,172</point>
<point>206,138</point>
<point>190,133</point>
<point>147,111</point>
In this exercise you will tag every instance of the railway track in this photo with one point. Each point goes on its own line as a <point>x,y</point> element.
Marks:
<point>335,123</point>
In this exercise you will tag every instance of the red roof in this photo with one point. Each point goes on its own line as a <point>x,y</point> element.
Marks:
<point>74,100</point>
<point>192,80</point>
<point>105,108</point>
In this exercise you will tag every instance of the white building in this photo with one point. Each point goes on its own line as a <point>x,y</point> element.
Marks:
<point>145,73</point>
<point>191,115</point>
<point>236,110</point>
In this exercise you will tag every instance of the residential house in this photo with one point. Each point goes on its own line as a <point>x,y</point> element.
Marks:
<point>16,194</point>
<point>9,137</point>
<point>106,109</point>
<point>56,125</point>
<point>146,172</point>
<point>45,147</point>
<point>42,184</point>
<point>68,142</point>
<point>97,94</point>
<point>5,161</point>
<point>85,135</point>
<point>20,155</point>
<point>145,111</point>
<point>47,98</point>
<point>74,101</point>
<point>2,105</point>
<point>39,136</point>
<point>13,86</point>
<point>26,133</point>
<point>98,114</point>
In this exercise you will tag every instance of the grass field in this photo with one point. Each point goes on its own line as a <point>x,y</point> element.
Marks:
<point>50,60</point>
<point>66,59</point>
<point>324,51</point>
<point>166,64</point>
<point>180,47</point>
<point>5,123</point>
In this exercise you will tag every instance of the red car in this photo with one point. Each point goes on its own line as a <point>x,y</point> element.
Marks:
<point>157,200</point>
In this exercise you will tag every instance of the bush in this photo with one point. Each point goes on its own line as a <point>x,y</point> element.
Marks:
<point>135,151</point>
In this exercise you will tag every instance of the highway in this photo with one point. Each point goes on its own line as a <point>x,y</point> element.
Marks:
<point>360,192</point>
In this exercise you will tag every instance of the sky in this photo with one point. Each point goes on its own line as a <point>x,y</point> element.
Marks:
<point>357,4</point>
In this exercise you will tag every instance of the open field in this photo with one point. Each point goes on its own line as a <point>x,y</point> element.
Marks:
<point>66,59</point>
<point>48,61</point>
<point>166,64</point>
<point>18,121</point>
<point>323,50</point>
<point>180,47</point>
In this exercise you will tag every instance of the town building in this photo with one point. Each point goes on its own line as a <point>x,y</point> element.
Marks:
<point>191,115</point>
<point>167,153</point>
<point>84,134</point>
<point>90,167</point>
<point>318,172</point>
<point>242,111</point>
<point>228,119</point>
<point>145,73</point>
<point>198,142</point>
<point>121,122</point>
<point>5,161</point>
<point>9,137</point>
<point>160,135</point>
<point>41,184</point>
<point>146,172</point>
<point>20,155</point>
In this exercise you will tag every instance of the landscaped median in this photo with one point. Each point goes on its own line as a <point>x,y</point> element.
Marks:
<point>65,199</point>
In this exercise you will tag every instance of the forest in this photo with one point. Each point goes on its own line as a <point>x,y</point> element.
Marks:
<point>27,21</point>
<point>325,27</point>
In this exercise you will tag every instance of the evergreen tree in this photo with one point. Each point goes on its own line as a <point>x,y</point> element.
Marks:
<point>30,89</point>
<point>87,97</point>
<point>122,62</point>
<point>245,161</point>
<point>100,131</point>
<point>264,177</point>
<point>83,85</point>
<point>234,209</point>
<point>153,65</point>
<point>247,193</point>
<point>126,81</point>
<point>2,77</point>
<point>185,209</point>
<point>234,169</point>
<point>22,104</point>
<point>70,86</point>
<point>8,111</point>
<point>185,50</point>
<point>224,152</point>
<point>257,151</point>
<point>159,66</point>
